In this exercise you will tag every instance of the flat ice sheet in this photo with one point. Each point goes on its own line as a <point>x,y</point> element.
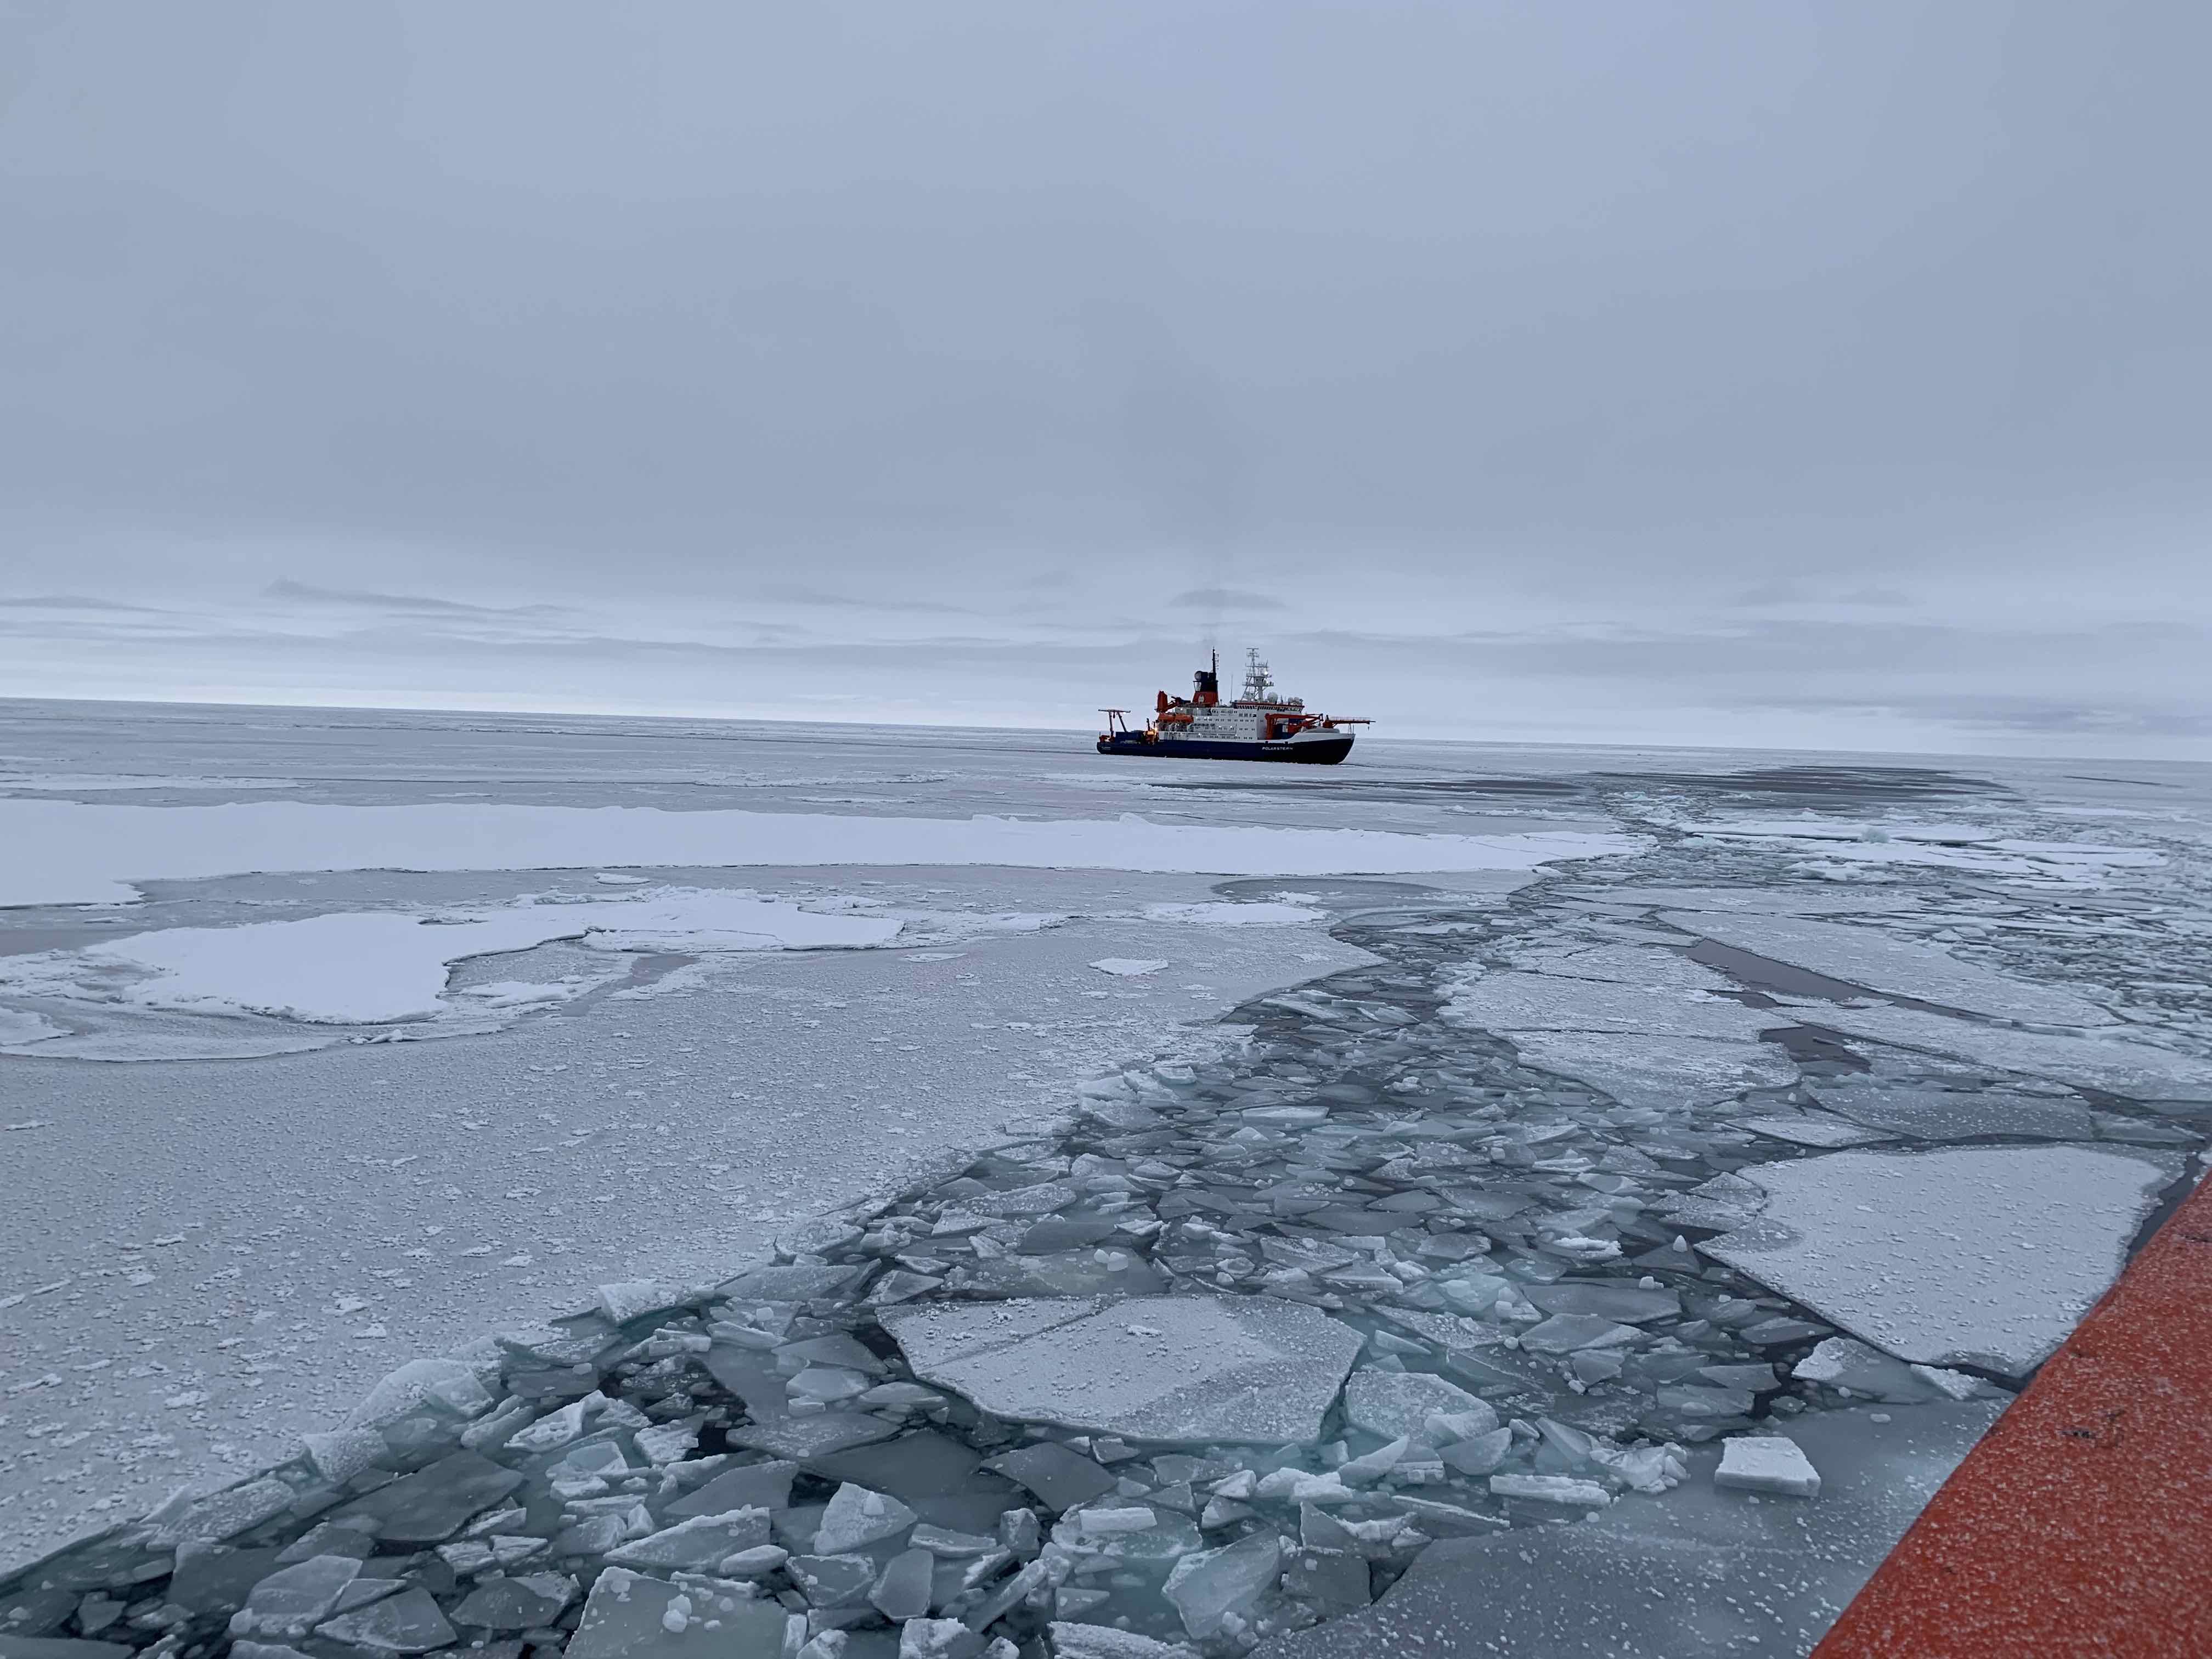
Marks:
<point>1184,1369</point>
<point>1983,1256</point>
<point>1664,1073</point>
<point>1512,1002</point>
<point>2135,1070</point>
<point>74,852</point>
<point>364,967</point>
<point>1906,967</point>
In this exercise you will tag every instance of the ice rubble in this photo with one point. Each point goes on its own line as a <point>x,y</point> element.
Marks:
<point>1703,1571</point>
<point>70,853</point>
<point>1983,1256</point>
<point>1367,1187</point>
<point>1862,956</point>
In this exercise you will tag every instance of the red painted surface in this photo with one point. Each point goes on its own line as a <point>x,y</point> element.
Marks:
<point>2081,1526</point>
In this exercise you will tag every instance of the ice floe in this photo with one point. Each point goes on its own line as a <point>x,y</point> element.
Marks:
<point>1982,1256</point>
<point>72,853</point>
<point>2137,1070</point>
<point>1182,1369</point>
<point>1905,968</point>
<point>372,967</point>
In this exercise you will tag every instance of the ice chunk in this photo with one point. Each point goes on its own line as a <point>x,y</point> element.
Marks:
<point>1393,1404</point>
<point>1062,1477</point>
<point>292,1601</point>
<point>1862,956</point>
<point>697,1544</point>
<point>1766,1463</point>
<point>1079,1641</point>
<point>1567,1332</point>
<point>1129,967</point>
<point>1809,1129</point>
<point>902,1591</point>
<point>1979,1255</point>
<point>1512,1003</point>
<point>767,1486</point>
<point>225,1514</point>
<point>410,1622</point>
<point>1177,1369</point>
<point>1842,1363</point>
<point>629,1617</point>
<point>1664,1073</point>
<point>444,1385</point>
<point>1551,1489</point>
<point>530,1601</point>
<point>856,1518</point>
<point>1212,1588</point>
<point>1610,1299</point>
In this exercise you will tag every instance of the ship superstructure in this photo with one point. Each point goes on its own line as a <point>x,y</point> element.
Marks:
<point>1260,725</point>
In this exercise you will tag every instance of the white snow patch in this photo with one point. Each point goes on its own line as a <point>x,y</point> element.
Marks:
<point>1985,1256</point>
<point>72,853</point>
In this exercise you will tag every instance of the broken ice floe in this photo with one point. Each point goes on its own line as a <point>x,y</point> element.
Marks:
<point>70,853</point>
<point>2138,1071</point>
<point>1129,967</point>
<point>1983,1256</point>
<point>1864,956</point>
<point>1171,1369</point>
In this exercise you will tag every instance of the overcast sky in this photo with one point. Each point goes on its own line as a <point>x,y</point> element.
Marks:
<point>1829,375</point>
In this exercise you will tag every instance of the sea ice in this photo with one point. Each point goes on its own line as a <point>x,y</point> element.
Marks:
<point>368,966</point>
<point>1984,1256</point>
<point>2136,1071</point>
<point>1843,1362</point>
<point>70,853</point>
<point>1766,1463</point>
<point>1175,1369</point>
<point>1932,1114</point>
<point>1662,1073</point>
<point>1700,1571</point>
<point>1510,1003</point>
<point>1811,1129</point>
<point>1129,967</point>
<point>1907,968</point>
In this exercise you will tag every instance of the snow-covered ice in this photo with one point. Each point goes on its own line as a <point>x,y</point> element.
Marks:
<point>1863,955</point>
<point>2138,1071</point>
<point>367,967</point>
<point>1180,1370</point>
<point>73,853</point>
<point>1983,1256</point>
<point>1772,1463</point>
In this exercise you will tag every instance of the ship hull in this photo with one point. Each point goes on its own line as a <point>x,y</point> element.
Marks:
<point>1306,751</point>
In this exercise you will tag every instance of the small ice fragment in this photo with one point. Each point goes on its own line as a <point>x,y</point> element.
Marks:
<point>1129,967</point>
<point>1551,1489</point>
<point>1766,1463</point>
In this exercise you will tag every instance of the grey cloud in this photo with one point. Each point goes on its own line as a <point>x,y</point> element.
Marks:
<point>1227,598</point>
<point>306,592</point>
<point>1664,323</point>
<point>73,602</point>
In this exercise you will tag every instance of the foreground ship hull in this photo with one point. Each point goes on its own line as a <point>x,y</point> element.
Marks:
<point>1310,751</point>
